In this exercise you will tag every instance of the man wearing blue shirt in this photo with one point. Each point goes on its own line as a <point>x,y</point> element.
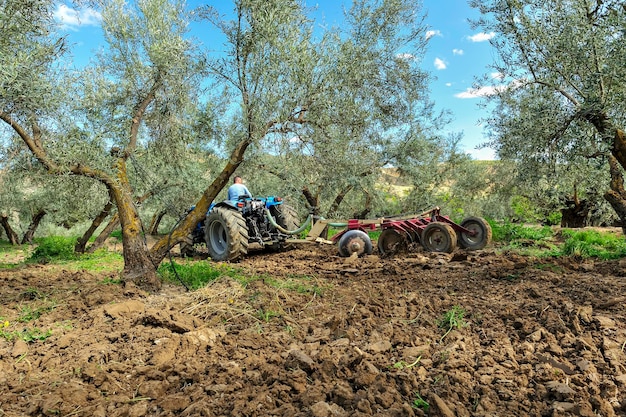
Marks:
<point>238,189</point>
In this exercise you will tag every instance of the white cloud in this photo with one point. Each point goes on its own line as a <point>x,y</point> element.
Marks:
<point>72,18</point>
<point>448,84</point>
<point>497,76</point>
<point>431,33</point>
<point>478,92</point>
<point>481,37</point>
<point>406,56</point>
<point>458,51</point>
<point>488,90</point>
<point>440,64</point>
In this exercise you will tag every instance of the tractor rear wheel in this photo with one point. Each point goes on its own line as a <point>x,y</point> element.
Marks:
<point>390,241</point>
<point>286,216</point>
<point>481,233</point>
<point>355,241</point>
<point>226,234</point>
<point>439,237</point>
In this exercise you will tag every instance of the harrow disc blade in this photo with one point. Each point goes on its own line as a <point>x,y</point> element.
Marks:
<point>391,241</point>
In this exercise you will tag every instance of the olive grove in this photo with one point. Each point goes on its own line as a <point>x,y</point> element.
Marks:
<point>559,106</point>
<point>139,112</point>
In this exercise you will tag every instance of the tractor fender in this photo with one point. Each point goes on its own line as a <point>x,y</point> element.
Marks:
<point>229,204</point>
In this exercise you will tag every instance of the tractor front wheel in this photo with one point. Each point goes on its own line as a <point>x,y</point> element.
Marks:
<point>439,237</point>
<point>480,233</point>
<point>226,234</point>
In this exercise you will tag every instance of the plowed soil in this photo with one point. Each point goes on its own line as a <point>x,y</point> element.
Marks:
<point>312,334</point>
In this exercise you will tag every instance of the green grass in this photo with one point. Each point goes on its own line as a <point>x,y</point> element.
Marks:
<point>592,244</point>
<point>29,313</point>
<point>53,248</point>
<point>99,261</point>
<point>198,274</point>
<point>509,232</point>
<point>420,403</point>
<point>543,242</point>
<point>452,319</point>
<point>28,335</point>
<point>297,283</point>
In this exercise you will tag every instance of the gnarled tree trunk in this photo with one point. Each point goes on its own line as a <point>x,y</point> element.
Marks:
<point>156,221</point>
<point>138,267</point>
<point>82,242</point>
<point>616,196</point>
<point>11,235</point>
<point>34,224</point>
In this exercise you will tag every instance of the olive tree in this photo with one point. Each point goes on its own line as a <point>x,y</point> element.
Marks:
<point>561,97</point>
<point>262,71</point>
<point>142,79</point>
<point>367,107</point>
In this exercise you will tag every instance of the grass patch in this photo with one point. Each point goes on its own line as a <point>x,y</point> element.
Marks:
<point>543,242</point>
<point>592,244</point>
<point>29,314</point>
<point>28,335</point>
<point>297,283</point>
<point>53,248</point>
<point>99,261</point>
<point>509,232</point>
<point>117,234</point>
<point>196,275</point>
<point>526,240</point>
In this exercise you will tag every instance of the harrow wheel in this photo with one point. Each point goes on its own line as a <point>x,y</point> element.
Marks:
<point>439,237</point>
<point>355,241</point>
<point>390,241</point>
<point>481,236</point>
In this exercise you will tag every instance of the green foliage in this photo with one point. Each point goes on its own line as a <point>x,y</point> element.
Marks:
<point>29,314</point>
<point>543,242</point>
<point>553,219</point>
<point>54,248</point>
<point>508,232</point>
<point>267,315</point>
<point>452,319</point>
<point>298,283</point>
<point>198,274</point>
<point>28,334</point>
<point>100,260</point>
<point>420,403</point>
<point>591,243</point>
<point>524,209</point>
<point>551,90</point>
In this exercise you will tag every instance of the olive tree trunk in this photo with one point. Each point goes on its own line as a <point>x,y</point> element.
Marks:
<point>34,224</point>
<point>11,235</point>
<point>138,267</point>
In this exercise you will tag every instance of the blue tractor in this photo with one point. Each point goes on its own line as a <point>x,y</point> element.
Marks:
<point>232,228</point>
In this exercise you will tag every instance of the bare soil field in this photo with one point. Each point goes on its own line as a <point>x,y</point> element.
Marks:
<point>317,335</point>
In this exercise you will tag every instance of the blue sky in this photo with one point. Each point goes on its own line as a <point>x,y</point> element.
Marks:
<point>456,55</point>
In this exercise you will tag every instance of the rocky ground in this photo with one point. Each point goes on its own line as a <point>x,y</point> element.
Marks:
<point>312,334</point>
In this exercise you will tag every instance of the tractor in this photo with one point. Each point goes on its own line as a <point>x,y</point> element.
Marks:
<point>232,228</point>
